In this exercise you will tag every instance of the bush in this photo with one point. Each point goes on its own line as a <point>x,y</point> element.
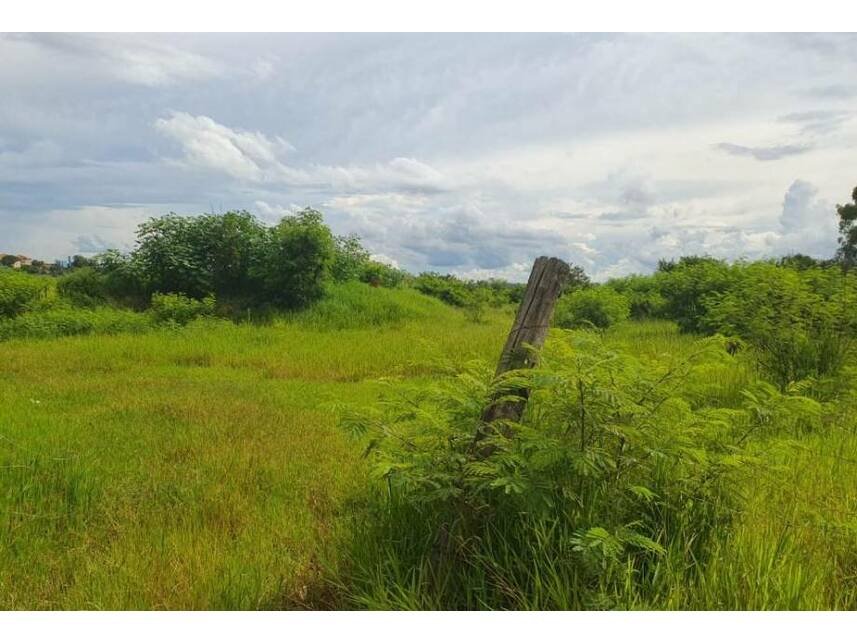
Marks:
<point>65,320</point>
<point>379,274</point>
<point>349,259</point>
<point>295,260</point>
<point>448,288</point>
<point>579,505</point>
<point>797,332</point>
<point>178,309</point>
<point>19,291</point>
<point>84,287</point>
<point>643,294</point>
<point>686,284</point>
<point>598,306</point>
<point>198,255</point>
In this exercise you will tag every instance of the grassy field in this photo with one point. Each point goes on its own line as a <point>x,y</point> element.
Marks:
<point>193,468</point>
<point>201,467</point>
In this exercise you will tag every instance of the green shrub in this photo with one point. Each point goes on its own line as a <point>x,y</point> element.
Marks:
<point>84,287</point>
<point>198,255</point>
<point>797,332</point>
<point>349,259</point>
<point>19,291</point>
<point>610,482</point>
<point>643,294</point>
<point>178,309</point>
<point>380,274</point>
<point>64,320</point>
<point>448,288</point>
<point>685,285</point>
<point>598,306</point>
<point>472,295</point>
<point>294,261</point>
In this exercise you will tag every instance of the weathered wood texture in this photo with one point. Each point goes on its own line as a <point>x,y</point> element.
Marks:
<point>547,279</point>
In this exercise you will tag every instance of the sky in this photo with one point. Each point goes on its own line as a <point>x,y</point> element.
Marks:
<point>469,154</point>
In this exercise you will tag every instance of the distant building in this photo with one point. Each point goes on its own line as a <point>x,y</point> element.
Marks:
<point>18,262</point>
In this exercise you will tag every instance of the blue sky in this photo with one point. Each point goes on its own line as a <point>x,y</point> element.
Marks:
<point>458,153</point>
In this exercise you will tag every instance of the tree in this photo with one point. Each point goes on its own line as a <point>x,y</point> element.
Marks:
<point>198,255</point>
<point>295,259</point>
<point>350,258</point>
<point>577,279</point>
<point>847,252</point>
<point>8,260</point>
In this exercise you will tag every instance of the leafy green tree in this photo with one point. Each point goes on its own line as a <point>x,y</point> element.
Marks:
<point>577,278</point>
<point>199,255</point>
<point>349,258</point>
<point>685,284</point>
<point>8,260</point>
<point>599,306</point>
<point>847,252</point>
<point>295,259</point>
<point>170,256</point>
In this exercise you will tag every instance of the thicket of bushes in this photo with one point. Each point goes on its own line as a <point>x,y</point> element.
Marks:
<point>609,492</point>
<point>598,306</point>
<point>20,291</point>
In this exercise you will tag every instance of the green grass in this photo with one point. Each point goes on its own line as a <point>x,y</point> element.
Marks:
<point>201,467</point>
<point>192,468</point>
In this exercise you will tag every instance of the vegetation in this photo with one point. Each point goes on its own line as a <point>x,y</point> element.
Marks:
<point>171,440</point>
<point>597,307</point>
<point>19,291</point>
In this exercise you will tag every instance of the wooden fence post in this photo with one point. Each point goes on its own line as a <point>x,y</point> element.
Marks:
<point>547,279</point>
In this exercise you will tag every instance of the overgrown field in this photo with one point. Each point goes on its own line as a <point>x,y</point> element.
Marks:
<point>199,467</point>
<point>202,467</point>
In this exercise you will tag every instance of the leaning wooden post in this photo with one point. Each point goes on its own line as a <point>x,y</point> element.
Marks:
<point>547,279</point>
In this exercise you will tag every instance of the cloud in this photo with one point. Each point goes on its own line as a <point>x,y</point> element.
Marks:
<point>255,157</point>
<point>770,153</point>
<point>817,121</point>
<point>469,154</point>
<point>210,145</point>
<point>131,58</point>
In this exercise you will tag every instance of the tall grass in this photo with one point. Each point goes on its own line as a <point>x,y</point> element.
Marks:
<point>196,467</point>
<point>201,468</point>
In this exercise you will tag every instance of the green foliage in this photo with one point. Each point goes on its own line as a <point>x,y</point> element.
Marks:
<point>797,332</point>
<point>685,285</point>
<point>19,291</point>
<point>380,274</point>
<point>295,260</point>
<point>198,255</point>
<point>85,287</point>
<point>643,294</point>
<point>847,252</point>
<point>178,309</point>
<point>124,279</point>
<point>577,279</point>
<point>471,295</point>
<point>63,320</point>
<point>358,305</point>
<point>448,288</point>
<point>599,306</point>
<point>350,259</point>
<point>608,469</point>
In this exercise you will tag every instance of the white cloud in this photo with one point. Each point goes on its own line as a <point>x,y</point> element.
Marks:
<point>131,58</point>
<point>468,154</point>
<point>253,156</point>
